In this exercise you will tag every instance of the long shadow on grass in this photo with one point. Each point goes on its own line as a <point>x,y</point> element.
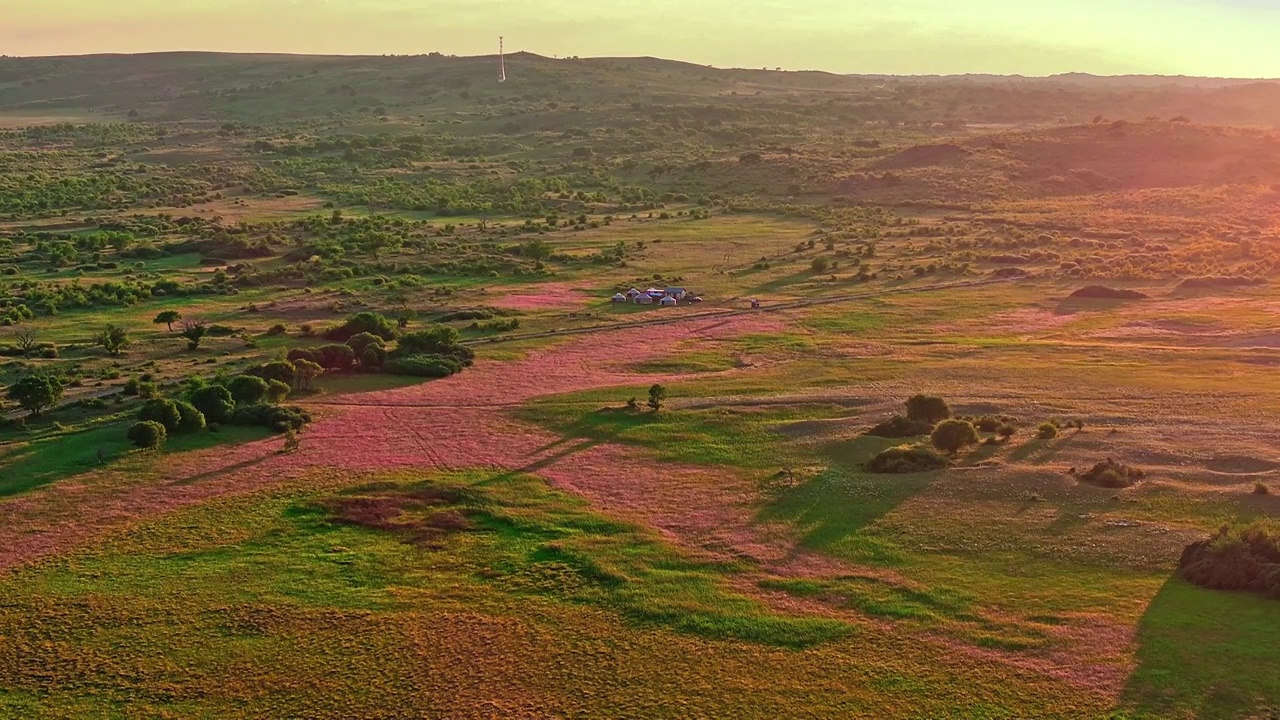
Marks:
<point>1206,654</point>
<point>832,508</point>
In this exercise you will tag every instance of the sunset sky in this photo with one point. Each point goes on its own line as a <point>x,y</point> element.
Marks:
<point>1033,37</point>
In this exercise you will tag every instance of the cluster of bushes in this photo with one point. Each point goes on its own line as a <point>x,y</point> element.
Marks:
<point>362,344</point>
<point>242,400</point>
<point>1236,558</point>
<point>1111,474</point>
<point>905,459</point>
<point>923,412</point>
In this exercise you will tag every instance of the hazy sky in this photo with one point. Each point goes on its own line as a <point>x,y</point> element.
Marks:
<point>1033,37</point>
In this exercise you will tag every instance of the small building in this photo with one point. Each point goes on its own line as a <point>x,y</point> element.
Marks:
<point>632,293</point>
<point>668,301</point>
<point>619,298</point>
<point>643,299</point>
<point>676,292</point>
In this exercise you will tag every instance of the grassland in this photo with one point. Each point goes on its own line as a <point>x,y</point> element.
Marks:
<point>516,540</point>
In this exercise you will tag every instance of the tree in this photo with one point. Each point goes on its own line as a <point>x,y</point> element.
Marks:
<point>113,339</point>
<point>358,343</point>
<point>373,358</point>
<point>306,373</point>
<point>820,264</point>
<point>290,441</point>
<point>928,409</point>
<point>952,436</point>
<point>192,420</point>
<point>280,370</point>
<point>365,322</point>
<point>277,392</point>
<point>247,389</point>
<point>657,395</point>
<point>168,318</point>
<point>36,393</point>
<point>26,341</point>
<point>340,358</point>
<point>161,411</point>
<point>194,331</point>
<point>436,340</point>
<point>214,402</point>
<point>147,435</point>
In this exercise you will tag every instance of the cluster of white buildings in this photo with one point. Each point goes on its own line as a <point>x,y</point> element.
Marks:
<point>653,296</point>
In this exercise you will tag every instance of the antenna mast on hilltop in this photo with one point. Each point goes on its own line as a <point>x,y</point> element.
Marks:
<point>502,61</point>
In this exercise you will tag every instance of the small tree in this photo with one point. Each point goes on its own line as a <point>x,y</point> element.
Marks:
<point>290,441</point>
<point>168,318</point>
<point>214,402</point>
<point>147,435</point>
<point>194,331</point>
<point>358,343</point>
<point>928,409</point>
<point>36,393</point>
<point>247,389</point>
<point>192,420</point>
<point>657,396</point>
<point>26,340</point>
<point>277,392</point>
<point>305,373</point>
<point>952,436</point>
<point>161,411</point>
<point>113,339</point>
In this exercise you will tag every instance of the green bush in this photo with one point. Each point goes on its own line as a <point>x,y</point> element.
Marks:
<point>215,402</point>
<point>373,358</point>
<point>1047,431</point>
<point>1236,558</point>
<point>161,411</point>
<point>1111,474</point>
<point>281,370</point>
<point>952,436</point>
<point>900,427</point>
<point>365,322</point>
<point>147,435</point>
<point>191,420</point>
<point>336,357</point>
<point>278,392</point>
<point>247,389</point>
<point>275,417</point>
<point>432,366</point>
<point>928,409</point>
<point>905,459</point>
<point>358,343</point>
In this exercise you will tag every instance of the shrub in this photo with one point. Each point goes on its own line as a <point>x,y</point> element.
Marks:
<point>1261,489</point>
<point>1111,474</point>
<point>358,343</point>
<point>1006,431</point>
<point>279,370</point>
<point>214,402</point>
<point>307,372</point>
<point>952,436</point>
<point>271,416</point>
<point>905,459</point>
<point>436,340</point>
<point>147,435</point>
<point>247,389</point>
<point>433,366</point>
<point>900,427</point>
<point>191,420</point>
<point>1047,431</point>
<point>657,396</point>
<point>336,357</point>
<point>365,322</point>
<point>924,408</point>
<point>1236,558</point>
<point>373,358</point>
<point>297,354</point>
<point>35,393</point>
<point>161,411</point>
<point>277,329</point>
<point>278,392</point>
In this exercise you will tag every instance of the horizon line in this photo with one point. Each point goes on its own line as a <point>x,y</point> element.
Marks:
<point>575,58</point>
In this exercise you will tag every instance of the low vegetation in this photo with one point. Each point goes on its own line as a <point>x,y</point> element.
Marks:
<point>905,460</point>
<point>1244,558</point>
<point>1111,474</point>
